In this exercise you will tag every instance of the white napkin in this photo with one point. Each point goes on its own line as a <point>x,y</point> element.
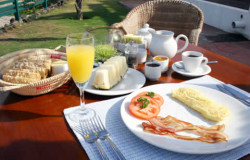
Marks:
<point>134,148</point>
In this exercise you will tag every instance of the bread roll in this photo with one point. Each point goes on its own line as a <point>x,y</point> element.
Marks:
<point>28,70</point>
<point>34,63</point>
<point>18,80</point>
<point>23,73</point>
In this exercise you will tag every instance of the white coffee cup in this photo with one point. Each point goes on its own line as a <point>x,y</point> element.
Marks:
<point>153,70</point>
<point>192,60</point>
<point>163,60</point>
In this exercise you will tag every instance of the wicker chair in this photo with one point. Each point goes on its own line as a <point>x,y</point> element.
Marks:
<point>178,16</point>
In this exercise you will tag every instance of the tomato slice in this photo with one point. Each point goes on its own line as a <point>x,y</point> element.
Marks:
<point>151,111</point>
<point>157,97</point>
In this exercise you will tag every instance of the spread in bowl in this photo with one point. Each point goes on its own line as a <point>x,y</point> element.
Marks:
<point>160,58</point>
<point>163,60</point>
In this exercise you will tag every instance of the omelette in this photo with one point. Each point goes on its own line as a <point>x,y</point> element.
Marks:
<point>202,104</point>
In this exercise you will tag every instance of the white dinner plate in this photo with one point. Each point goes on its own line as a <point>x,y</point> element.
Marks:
<point>132,81</point>
<point>237,125</point>
<point>203,70</point>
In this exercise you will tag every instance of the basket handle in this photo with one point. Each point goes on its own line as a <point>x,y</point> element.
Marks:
<point>99,27</point>
<point>58,47</point>
<point>8,88</point>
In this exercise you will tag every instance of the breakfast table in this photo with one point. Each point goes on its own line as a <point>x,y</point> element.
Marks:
<point>34,127</point>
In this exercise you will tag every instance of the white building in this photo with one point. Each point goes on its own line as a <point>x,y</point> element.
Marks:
<point>227,18</point>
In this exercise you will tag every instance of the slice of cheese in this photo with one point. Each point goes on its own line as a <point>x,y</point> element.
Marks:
<point>199,102</point>
<point>135,38</point>
<point>110,73</point>
<point>123,63</point>
<point>102,79</point>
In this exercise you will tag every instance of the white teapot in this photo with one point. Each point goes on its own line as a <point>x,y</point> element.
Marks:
<point>145,33</point>
<point>164,44</point>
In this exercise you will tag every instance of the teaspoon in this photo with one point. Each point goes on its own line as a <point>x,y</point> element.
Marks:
<point>181,66</point>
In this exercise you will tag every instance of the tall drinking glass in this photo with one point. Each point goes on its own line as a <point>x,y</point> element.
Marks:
<point>80,56</point>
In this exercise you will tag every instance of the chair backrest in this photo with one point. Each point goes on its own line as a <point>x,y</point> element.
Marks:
<point>178,16</point>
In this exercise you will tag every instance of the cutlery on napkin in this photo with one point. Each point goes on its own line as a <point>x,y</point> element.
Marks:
<point>242,94</point>
<point>235,92</point>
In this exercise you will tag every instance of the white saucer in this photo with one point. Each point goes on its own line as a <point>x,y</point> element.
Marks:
<point>203,70</point>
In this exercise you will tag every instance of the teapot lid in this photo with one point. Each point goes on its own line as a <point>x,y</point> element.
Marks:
<point>145,28</point>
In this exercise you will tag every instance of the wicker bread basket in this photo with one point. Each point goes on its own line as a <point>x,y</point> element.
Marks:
<point>36,88</point>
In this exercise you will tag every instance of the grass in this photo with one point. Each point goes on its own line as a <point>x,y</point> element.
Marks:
<point>51,29</point>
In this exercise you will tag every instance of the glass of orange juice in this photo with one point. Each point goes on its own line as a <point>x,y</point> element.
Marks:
<point>80,56</point>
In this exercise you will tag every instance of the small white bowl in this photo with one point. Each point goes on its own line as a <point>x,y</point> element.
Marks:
<point>163,60</point>
<point>59,67</point>
<point>153,70</point>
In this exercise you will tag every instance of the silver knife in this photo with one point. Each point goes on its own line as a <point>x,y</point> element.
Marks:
<point>225,90</point>
<point>237,92</point>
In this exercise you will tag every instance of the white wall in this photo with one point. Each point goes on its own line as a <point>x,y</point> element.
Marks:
<point>222,16</point>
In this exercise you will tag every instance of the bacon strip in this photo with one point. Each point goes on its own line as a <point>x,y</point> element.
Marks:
<point>170,125</point>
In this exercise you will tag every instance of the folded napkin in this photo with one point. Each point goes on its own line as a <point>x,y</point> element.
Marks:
<point>134,148</point>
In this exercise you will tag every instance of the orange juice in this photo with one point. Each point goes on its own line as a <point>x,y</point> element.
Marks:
<point>80,60</point>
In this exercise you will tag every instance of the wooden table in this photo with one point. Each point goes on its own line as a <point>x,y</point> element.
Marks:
<point>35,128</point>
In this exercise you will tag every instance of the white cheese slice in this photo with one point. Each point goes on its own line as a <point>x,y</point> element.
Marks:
<point>110,73</point>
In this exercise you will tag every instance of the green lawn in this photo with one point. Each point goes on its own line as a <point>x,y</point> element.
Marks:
<point>50,29</point>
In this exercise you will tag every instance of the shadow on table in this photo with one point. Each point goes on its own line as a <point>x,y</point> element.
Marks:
<point>10,97</point>
<point>28,149</point>
<point>13,115</point>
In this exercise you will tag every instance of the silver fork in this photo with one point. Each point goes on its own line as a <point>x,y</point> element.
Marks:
<point>104,134</point>
<point>91,136</point>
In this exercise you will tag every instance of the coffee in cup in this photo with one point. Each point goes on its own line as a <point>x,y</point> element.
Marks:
<point>192,60</point>
<point>152,70</point>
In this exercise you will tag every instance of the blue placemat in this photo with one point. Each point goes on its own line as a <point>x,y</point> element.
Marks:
<point>134,148</point>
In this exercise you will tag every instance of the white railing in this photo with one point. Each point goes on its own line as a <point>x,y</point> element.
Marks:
<point>226,18</point>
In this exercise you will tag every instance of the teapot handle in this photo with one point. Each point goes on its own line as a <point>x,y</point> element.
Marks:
<point>186,42</point>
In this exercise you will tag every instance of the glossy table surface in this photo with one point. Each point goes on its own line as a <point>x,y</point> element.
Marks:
<point>35,128</point>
